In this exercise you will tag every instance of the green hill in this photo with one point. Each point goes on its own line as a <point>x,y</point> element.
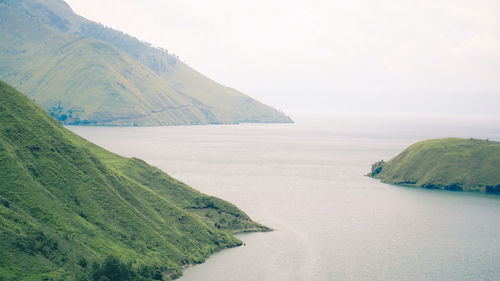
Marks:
<point>70,210</point>
<point>451,164</point>
<point>85,73</point>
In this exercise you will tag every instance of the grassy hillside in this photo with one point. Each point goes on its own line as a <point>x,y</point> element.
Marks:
<point>70,210</point>
<point>84,73</point>
<point>452,164</point>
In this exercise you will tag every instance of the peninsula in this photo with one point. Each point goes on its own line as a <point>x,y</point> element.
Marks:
<point>70,210</point>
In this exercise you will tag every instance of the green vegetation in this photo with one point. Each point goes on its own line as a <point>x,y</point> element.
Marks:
<point>84,73</point>
<point>70,209</point>
<point>451,164</point>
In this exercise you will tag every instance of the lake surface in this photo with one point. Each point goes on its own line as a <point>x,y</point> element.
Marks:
<point>306,181</point>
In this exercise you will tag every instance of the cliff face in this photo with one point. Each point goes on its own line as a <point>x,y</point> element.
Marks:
<point>66,204</point>
<point>84,73</point>
<point>451,164</point>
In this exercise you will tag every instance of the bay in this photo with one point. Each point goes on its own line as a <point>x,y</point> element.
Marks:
<point>306,181</point>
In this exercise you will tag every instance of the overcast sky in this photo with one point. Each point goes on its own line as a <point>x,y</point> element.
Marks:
<point>440,56</point>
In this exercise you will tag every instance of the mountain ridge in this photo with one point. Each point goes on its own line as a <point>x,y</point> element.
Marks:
<point>47,47</point>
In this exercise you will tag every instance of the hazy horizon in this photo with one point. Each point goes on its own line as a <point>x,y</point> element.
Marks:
<point>439,57</point>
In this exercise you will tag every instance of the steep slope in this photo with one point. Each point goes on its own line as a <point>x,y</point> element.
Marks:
<point>85,73</point>
<point>66,203</point>
<point>452,164</point>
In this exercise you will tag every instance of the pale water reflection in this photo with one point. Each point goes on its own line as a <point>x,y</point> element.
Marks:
<point>306,181</point>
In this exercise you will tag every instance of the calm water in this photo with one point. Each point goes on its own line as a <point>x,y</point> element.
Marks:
<point>305,180</point>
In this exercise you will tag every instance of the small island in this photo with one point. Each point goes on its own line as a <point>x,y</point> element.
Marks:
<point>451,164</point>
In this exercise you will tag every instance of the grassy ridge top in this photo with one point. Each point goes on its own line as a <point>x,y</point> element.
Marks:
<point>452,163</point>
<point>85,73</point>
<point>66,203</point>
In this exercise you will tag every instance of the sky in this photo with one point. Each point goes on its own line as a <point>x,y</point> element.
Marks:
<point>303,56</point>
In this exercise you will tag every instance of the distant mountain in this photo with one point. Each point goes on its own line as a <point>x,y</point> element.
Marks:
<point>85,73</point>
<point>451,164</point>
<point>70,210</point>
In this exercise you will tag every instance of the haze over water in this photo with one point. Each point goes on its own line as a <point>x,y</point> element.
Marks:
<point>306,181</point>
